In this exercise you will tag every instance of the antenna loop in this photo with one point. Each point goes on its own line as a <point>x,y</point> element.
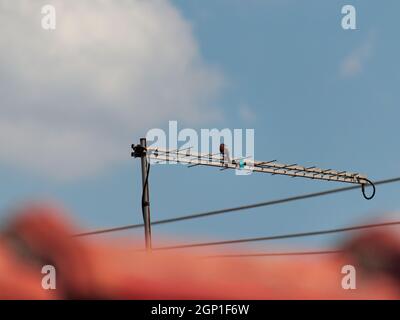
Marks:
<point>363,189</point>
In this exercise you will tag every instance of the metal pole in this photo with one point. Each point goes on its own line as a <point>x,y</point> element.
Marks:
<point>146,200</point>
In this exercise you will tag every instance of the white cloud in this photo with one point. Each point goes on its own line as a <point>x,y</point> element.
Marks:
<point>355,61</point>
<point>73,99</point>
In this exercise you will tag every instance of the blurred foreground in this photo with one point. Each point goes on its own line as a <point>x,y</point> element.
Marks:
<point>89,268</point>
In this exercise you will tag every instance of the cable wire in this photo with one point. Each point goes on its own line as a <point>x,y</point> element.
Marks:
<point>145,203</point>
<point>273,254</point>
<point>233,209</point>
<point>284,236</point>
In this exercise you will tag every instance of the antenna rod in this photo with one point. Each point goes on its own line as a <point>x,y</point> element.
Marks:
<point>223,161</point>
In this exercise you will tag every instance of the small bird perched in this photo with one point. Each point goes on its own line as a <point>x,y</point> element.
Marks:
<point>225,153</point>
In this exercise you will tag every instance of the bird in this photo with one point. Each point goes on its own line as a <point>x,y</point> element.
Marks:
<point>225,153</point>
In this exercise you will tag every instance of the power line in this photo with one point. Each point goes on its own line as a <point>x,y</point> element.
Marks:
<point>233,209</point>
<point>274,254</point>
<point>284,236</point>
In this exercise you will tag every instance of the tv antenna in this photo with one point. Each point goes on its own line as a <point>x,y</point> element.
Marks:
<point>223,161</point>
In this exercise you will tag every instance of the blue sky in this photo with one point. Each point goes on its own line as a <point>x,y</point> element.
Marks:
<point>314,93</point>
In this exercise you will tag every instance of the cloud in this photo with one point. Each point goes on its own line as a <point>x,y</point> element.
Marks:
<point>73,99</point>
<point>355,61</point>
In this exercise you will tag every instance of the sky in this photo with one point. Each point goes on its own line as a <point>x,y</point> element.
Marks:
<point>74,99</point>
